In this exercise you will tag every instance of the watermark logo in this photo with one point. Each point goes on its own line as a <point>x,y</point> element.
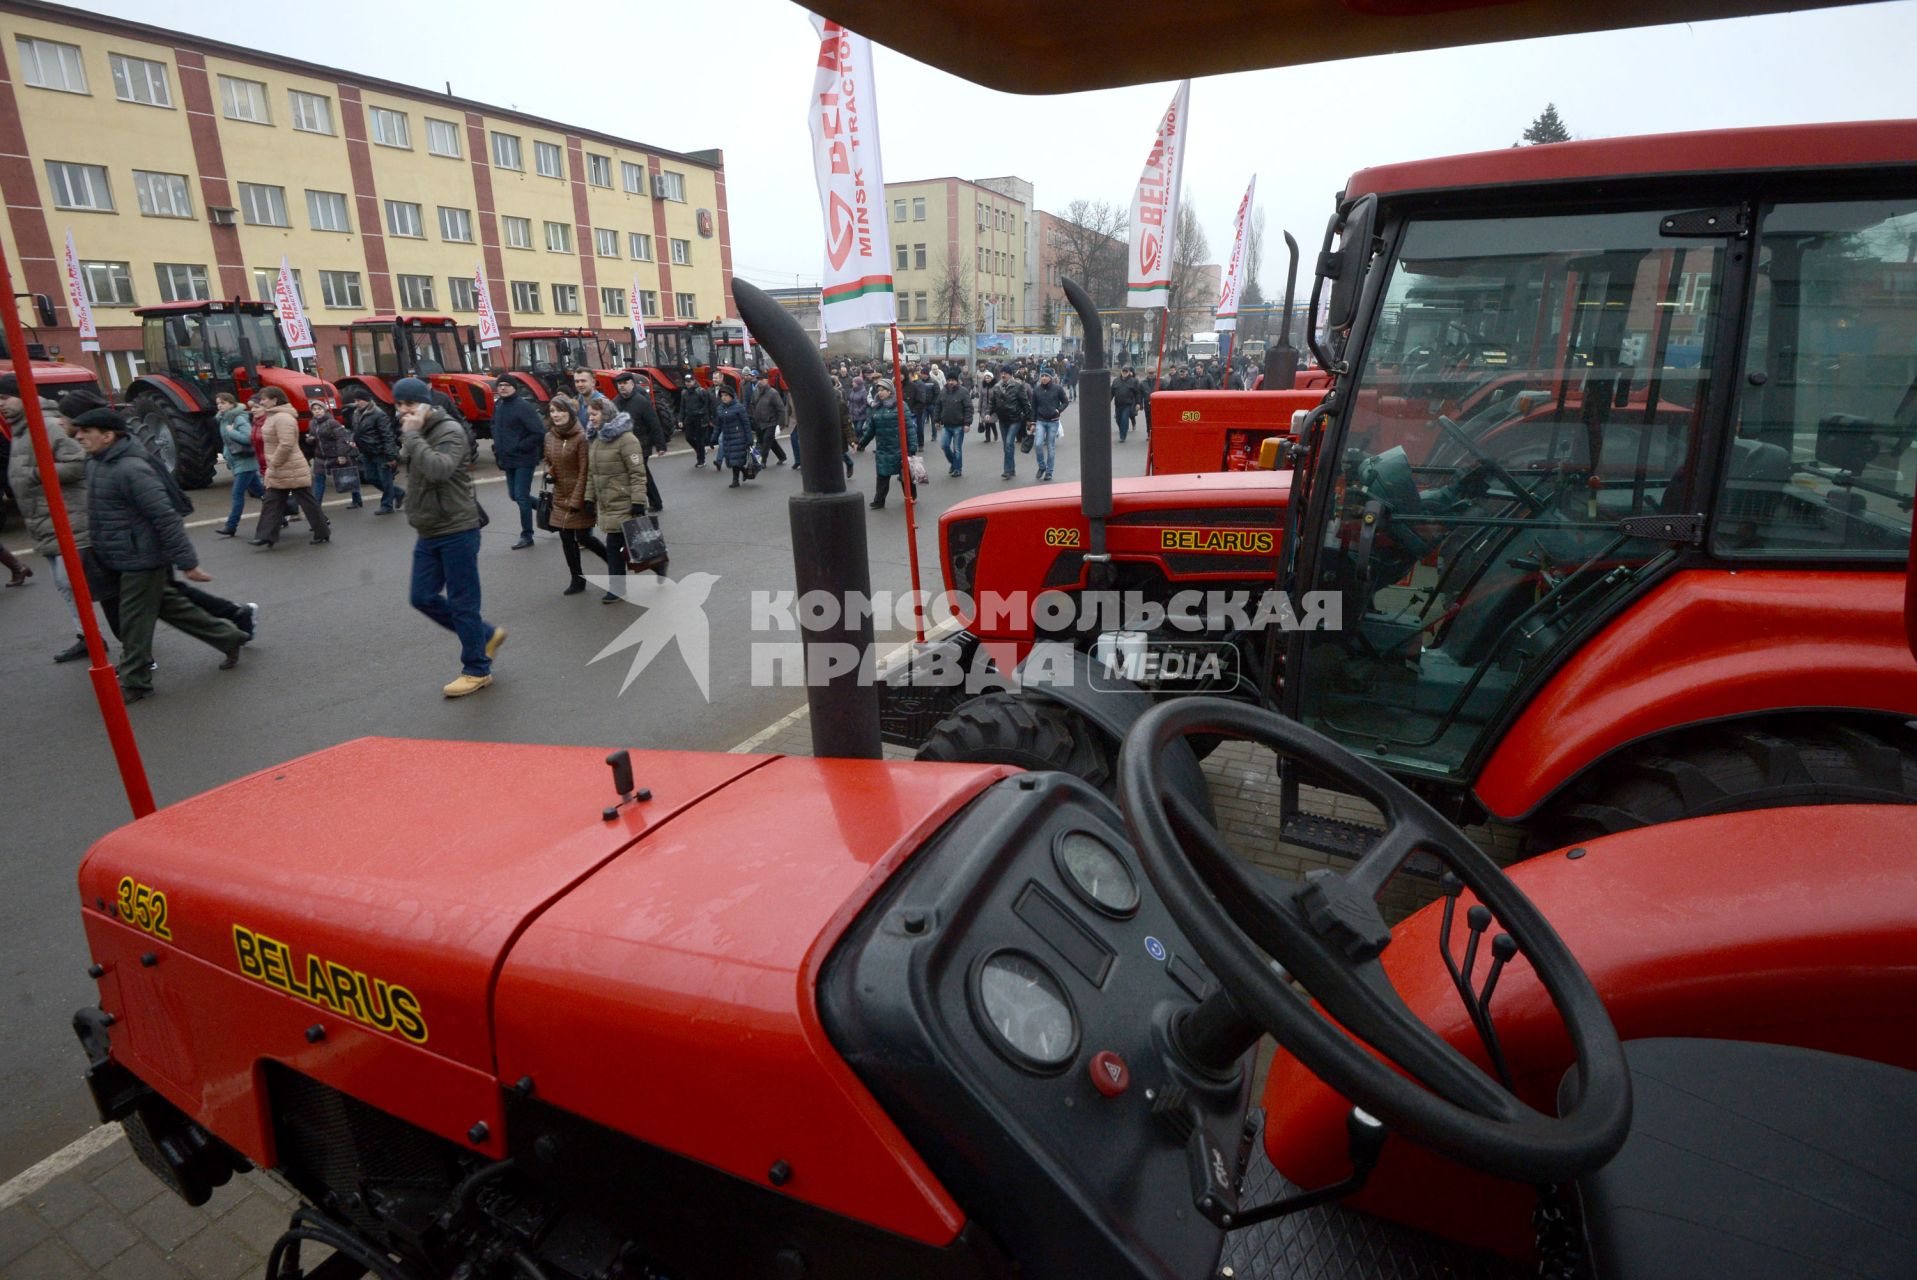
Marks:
<point>675,614</point>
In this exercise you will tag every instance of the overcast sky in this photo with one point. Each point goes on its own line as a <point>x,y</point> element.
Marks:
<point>736,75</point>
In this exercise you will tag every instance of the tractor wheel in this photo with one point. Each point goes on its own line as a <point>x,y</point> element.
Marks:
<point>196,438</point>
<point>1004,728</point>
<point>1732,768</point>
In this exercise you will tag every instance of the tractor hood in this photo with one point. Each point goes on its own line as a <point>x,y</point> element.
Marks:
<point>484,922</point>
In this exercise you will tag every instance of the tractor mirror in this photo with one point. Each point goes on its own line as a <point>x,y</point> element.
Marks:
<point>1910,595</point>
<point>1346,267</point>
<point>43,305</point>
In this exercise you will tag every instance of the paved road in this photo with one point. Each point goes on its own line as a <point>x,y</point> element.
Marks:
<point>340,655</point>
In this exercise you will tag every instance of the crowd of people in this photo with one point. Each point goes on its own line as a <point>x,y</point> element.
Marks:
<point>579,465</point>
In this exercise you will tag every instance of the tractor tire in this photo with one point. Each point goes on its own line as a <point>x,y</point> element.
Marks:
<point>1005,728</point>
<point>1732,768</point>
<point>196,438</point>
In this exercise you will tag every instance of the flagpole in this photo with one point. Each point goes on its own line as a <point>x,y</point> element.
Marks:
<point>106,685</point>
<point>905,479</point>
<point>1164,324</point>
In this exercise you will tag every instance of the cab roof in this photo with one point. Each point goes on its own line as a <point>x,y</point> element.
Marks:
<point>434,321</point>
<point>203,304</point>
<point>1063,46</point>
<point>1865,144</point>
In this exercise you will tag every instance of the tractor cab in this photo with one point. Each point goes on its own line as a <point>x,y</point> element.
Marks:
<point>544,360</point>
<point>675,348</point>
<point>49,371</point>
<point>433,348</point>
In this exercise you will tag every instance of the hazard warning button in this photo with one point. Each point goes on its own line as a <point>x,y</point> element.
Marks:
<point>1110,1075</point>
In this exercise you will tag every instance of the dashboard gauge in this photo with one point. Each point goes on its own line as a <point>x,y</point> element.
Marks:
<point>1025,1010</point>
<point>1096,873</point>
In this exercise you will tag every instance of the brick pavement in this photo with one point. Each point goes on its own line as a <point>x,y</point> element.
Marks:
<point>109,1217</point>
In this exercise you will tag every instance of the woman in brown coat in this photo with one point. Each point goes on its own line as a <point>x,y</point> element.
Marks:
<point>566,476</point>
<point>286,473</point>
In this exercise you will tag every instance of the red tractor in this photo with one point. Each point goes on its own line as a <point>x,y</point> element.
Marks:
<point>841,1017</point>
<point>51,376</point>
<point>1612,500</point>
<point>194,350</point>
<point>544,360</point>
<point>432,348</point>
<point>675,348</point>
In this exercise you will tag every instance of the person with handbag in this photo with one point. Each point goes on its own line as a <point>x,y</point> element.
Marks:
<point>517,446</point>
<point>566,501</point>
<point>378,443</point>
<point>335,455</point>
<point>236,445</point>
<point>888,460</point>
<point>616,479</point>
<point>444,510</point>
<point>734,436</point>
<point>288,475</point>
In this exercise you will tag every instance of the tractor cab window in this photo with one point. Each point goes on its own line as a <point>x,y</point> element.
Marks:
<point>1529,387</point>
<point>667,347</point>
<point>262,334</point>
<point>179,343</point>
<point>578,353</point>
<point>1825,454</point>
<point>432,351</point>
<point>699,346</point>
<point>530,353</point>
<point>374,352</point>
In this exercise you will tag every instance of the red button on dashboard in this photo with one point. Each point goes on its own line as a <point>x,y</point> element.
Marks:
<point>1110,1075</point>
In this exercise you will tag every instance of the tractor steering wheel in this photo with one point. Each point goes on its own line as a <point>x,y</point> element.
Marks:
<point>1327,933</point>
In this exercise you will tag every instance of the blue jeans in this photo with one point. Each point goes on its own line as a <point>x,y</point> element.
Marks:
<point>244,483</point>
<point>1047,444</point>
<point>519,492</point>
<point>446,589</point>
<point>1125,413</point>
<point>952,441</point>
<point>1009,430</point>
<point>381,474</point>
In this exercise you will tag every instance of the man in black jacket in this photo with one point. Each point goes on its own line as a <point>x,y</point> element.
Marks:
<point>955,419</point>
<point>638,405</point>
<point>1048,405</point>
<point>1124,402</point>
<point>378,442</point>
<point>519,442</point>
<point>1008,402</point>
<point>133,519</point>
<point>696,412</point>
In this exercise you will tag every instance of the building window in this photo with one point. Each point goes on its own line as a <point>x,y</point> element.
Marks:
<point>327,211</point>
<point>402,219</point>
<point>565,299</point>
<point>140,80</point>
<point>549,160</point>
<point>525,295</point>
<point>416,293</point>
<point>266,281</point>
<point>918,257</point>
<point>648,303</point>
<point>79,186</point>
<point>506,152</point>
<point>517,232</point>
<point>672,185</point>
<point>918,208</point>
<point>685,305</point>
<point>442,138</point>
<point>312,112</point>
<point>244,100</point>
<point>612,302</point>
<point>599,170</point>
<point>263,206</point>
<point>48,64</point>
<point>558,237</point>
<point>390,128</point>
<point>180,282</point>
<point>898,211</point>
<point>979,210</point>
<point>455,225</point>
<point>899,252</point>
<point>340,289</point>
<point>109,284</point>
<point>606,242</point>
<point>162,195</point>
<point>633,176</point>
<point>462,293</point>
<point>681,252</point>
<point>981,259</point>
<point>641,246</point>
<point>918,303</point>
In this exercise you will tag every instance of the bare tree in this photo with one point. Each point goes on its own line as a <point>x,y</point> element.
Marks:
<point>952,294</point>
<point>1188,256</point>
<point>1089,245</point>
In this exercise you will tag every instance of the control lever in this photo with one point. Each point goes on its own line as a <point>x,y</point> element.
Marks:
<point>1503,948</point>
<point>1365,1140</point>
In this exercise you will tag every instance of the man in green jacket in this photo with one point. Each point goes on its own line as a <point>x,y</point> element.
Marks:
<point>443,509</point>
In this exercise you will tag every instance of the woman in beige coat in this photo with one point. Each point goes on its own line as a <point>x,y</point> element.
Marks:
<point>616,479</point>
<point>284,470</point>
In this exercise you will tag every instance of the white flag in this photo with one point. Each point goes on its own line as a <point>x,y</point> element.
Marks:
<point>857,289</point>
<point>636,314</point>
<point>292,312</point>
<point>77,300</point>
<point>488,318</point>
<point>1234,274</point>
<point>1155,208</point>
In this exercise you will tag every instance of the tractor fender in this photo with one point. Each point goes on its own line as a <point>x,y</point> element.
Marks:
<point>1707,645</point>
<point>1065,675</point>
<point>379,388</point>
<point>179,393</point>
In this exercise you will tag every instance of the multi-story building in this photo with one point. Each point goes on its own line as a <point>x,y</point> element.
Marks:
<point>958,246</point>
<point>186,168</point>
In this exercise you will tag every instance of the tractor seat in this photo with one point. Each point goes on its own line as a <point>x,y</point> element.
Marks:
<point>1759,1161</point>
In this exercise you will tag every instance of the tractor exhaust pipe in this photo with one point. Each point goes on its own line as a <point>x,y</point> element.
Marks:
<point>828,541</point>
<point>1094,430</point>
<point>1281,361</point>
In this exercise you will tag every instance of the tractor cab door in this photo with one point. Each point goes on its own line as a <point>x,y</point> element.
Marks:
<point>374,352</point>
<point>1528,397</point>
